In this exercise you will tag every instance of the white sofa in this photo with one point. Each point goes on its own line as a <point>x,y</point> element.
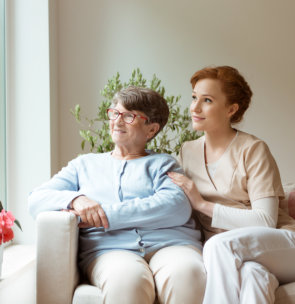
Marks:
<point>58,280</point>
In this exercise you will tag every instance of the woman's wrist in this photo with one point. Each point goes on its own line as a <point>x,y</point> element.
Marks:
<point>205,207</point>
<point>75,200</point>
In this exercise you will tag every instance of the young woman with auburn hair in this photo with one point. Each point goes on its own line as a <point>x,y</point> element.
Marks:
<point>234,185</point>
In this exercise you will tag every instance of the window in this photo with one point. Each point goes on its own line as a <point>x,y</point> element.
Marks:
<point>2,106</point>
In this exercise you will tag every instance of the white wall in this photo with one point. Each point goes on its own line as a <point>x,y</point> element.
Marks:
<point>173,39</point>
<point>61,52</point>
<point>28,107</point>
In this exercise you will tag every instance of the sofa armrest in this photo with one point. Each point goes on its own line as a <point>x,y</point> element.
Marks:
<point>57,246</point>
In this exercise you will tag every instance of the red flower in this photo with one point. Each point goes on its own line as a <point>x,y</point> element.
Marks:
<point>6,222</point>
<point>7,235</point>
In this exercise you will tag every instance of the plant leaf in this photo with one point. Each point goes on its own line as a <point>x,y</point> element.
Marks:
<point>18,224</point>
<point>95,131</point>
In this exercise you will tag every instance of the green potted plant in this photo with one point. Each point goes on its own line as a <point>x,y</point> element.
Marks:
<point>95,131</point>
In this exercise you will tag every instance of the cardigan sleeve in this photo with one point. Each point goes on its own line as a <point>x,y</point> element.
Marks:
<point>57,193</point>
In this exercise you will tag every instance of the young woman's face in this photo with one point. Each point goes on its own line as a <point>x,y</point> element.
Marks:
<point>209,109</point>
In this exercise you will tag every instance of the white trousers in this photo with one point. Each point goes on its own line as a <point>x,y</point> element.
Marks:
<point>246,265</point>
<point>176,274</point>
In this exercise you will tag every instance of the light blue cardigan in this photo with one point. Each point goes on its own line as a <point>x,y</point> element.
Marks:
<point>145,210</point>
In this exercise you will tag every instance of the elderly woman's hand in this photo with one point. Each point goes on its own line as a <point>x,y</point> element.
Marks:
<point>91,213</point>
<point>193,194</point>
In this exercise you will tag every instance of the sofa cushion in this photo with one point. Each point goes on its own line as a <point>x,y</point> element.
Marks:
<point>285,294</point>
<point>288,203</point>
<point>87,294</point>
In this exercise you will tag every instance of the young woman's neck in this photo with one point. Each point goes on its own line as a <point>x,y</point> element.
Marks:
<point>217,142</point>
<point>219,137</point>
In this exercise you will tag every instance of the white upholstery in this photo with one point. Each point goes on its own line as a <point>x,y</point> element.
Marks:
<point>87,294</point>
<point>57,245</point>
<point>57,272</point>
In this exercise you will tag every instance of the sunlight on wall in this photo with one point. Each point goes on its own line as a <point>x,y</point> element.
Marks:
<point>28,107</point>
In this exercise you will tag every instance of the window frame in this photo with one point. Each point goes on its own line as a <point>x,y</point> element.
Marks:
<point>3,146</point>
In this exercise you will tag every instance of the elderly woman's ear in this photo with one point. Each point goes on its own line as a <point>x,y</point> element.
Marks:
<point>153,130</point>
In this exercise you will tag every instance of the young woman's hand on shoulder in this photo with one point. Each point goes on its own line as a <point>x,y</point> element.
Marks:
<point>190,189</point>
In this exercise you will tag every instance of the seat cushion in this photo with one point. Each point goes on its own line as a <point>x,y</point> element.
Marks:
<point>87,294</point>
<point>285,294</point>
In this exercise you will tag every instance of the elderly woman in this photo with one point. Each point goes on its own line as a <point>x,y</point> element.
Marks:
<point>136,231</point>
<point>234,184</point>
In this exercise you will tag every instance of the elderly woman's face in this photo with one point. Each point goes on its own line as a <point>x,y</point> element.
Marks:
<point>135,134</point>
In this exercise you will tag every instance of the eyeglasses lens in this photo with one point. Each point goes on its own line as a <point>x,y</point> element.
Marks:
<point>128,117</point>
<point>114,114</point>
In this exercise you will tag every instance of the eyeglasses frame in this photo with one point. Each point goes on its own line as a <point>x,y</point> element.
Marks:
<point>122,113</point>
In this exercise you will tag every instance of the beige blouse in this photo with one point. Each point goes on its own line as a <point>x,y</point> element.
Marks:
<point>245,173</point>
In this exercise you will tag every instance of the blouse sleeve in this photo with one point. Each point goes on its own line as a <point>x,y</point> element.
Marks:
<point>263,176</point>
<point>264,188</point>
<point>264,212</point>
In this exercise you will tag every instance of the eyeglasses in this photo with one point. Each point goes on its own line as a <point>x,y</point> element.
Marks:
<point>128,117</point>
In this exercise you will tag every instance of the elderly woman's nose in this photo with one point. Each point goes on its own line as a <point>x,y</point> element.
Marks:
<point>119,119</point>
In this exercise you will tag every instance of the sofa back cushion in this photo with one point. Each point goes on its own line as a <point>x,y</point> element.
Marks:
<point>288,203</point>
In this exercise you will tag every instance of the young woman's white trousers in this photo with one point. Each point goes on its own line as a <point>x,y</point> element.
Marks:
<point>175,273</point>
<point>246,265</point>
